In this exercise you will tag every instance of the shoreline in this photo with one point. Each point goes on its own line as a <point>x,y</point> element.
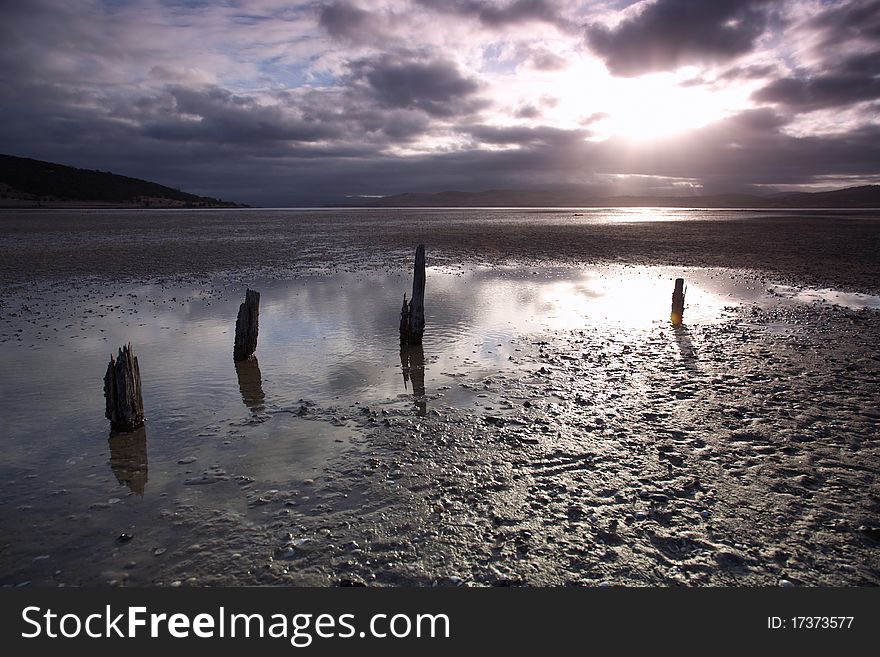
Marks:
<point>660,457</point>
<point>802,247</point>
<point>737,452</point>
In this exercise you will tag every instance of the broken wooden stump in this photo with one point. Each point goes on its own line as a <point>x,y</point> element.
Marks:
<point>247,326</point>
<point>678,302</point>
<point>412,315</point>
<point>122,391</point>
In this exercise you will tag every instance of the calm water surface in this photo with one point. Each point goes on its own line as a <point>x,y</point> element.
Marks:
<point>325,342</point>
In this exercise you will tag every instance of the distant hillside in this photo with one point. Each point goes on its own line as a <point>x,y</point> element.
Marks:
<point>867,196</point>
<point>33,183</point>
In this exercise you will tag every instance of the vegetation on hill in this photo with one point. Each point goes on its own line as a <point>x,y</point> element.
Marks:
<point>24,181</point>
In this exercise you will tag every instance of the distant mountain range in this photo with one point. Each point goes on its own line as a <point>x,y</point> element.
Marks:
<point>25,182</point>
<point>33,183</point>
<point>866,196</point>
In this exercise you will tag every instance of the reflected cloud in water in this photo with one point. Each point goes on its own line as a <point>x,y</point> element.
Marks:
<point>328,339</point>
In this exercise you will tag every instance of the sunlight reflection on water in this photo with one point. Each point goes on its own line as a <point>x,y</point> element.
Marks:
<point>331,340</point>
<point>851,300</point>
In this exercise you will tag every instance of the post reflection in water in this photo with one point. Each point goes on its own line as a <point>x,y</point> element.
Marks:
<point>412,361</point>
<point>250,383</point>
<point>128,459</point>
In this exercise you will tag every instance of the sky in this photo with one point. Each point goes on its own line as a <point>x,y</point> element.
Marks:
<point>278,103</point>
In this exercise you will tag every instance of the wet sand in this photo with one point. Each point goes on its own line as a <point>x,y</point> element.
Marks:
<point>737,451</point>
<point>820,248</point>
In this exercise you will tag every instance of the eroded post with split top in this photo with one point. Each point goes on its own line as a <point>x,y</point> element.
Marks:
<point>412,315</point>
<point>122,391</point>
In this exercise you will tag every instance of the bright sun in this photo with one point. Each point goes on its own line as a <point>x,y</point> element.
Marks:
<point>641,108</point>
<point>653,107</point>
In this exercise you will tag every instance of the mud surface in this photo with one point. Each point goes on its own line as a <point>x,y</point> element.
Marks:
<point>817,247</point>
<point>738,449</point>
<point>730,455</point>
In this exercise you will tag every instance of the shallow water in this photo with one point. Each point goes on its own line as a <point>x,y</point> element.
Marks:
<point>326,343</point>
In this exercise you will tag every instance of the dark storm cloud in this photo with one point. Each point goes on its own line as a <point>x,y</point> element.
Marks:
<point>217,115</point>
<point>522,136</point>
<point>735,154</point>
<point>775,157</point>
<point>48,120</point>
<point>848,21</point>
<point>751,72</point>
<point>498,15</point>
<point>744,150</point>
<point>670,33</point>
<point>853,80</point>
<point>845,68</point>
<point>269,104</point>
<point>344,20</point>
<point>436,87</point>
<point>749,149</point>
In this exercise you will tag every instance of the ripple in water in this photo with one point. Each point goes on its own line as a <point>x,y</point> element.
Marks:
<point>330,341</point>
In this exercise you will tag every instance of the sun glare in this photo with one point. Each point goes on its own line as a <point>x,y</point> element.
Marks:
<point>642,108</point>
<point>653,107</point>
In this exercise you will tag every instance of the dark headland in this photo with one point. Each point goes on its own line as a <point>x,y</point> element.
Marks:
<point>865,196</point>
<point>34,183</point>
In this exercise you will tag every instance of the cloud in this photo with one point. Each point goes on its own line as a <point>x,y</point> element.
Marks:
<point>523,136</point>
<point>853,20</point>
<point>749,72</point>
<point>737,153</point>
<point>527,112</point>
<point>216,115</point>
<point>540,58</point>
<point>496,15</point>
<point>853,80</point>
<point>181,74</point>
<point>435,86</point>
<point>271,102</point>
<point>343,20</point>
<point>667,34</point>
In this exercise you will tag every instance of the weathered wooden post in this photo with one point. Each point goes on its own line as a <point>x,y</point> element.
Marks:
<point>678,302</point>
<point>247,326</point>
<point>412,315</point>
<point>122,391</point>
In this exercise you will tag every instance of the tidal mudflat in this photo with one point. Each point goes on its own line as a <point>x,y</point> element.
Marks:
<point>554,428</point>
